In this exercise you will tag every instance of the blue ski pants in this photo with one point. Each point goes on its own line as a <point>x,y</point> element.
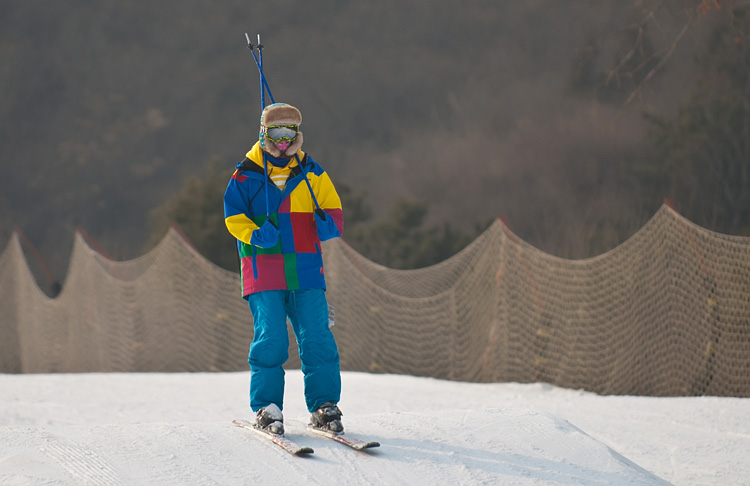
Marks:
<point>307,310</point>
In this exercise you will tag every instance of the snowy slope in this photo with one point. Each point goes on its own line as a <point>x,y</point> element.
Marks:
<point>176,429</point>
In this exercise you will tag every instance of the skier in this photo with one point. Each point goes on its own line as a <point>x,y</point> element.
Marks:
<point>280,204</point>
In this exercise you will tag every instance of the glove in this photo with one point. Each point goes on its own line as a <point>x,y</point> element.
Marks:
<point>266,236</point>
<point>326,226</point>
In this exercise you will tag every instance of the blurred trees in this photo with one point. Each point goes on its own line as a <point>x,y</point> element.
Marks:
<point>401,240</point>
<point>531,110</point>
<point>703,153</point>
<point>404,240</point>
<point>197,209</point>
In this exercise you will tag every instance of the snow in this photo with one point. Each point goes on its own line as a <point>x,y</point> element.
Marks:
<point>156,428</point>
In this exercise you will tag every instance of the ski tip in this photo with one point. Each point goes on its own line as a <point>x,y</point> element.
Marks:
<point>368,445</point>
<point>354,442</point>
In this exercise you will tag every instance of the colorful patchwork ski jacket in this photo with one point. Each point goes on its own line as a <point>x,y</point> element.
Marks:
<point>296,261</point>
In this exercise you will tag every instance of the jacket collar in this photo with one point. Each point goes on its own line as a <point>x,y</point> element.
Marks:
<point>253,162</point>
<point>256,155</point>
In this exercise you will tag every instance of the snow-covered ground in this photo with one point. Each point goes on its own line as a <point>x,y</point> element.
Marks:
<point>141,429</point>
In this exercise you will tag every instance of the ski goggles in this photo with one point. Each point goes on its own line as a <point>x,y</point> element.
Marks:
<point>282,133</point>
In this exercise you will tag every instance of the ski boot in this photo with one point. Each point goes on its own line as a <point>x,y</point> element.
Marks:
<point>270,419</point>
<point>327,417</point>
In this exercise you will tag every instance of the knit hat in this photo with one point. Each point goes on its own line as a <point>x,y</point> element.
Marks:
<point>280,114</point>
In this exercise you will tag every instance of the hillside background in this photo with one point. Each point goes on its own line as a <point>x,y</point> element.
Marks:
<point>573,120</point>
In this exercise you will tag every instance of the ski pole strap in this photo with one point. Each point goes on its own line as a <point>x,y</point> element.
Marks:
<point>318,210</point>
<point>262,77</point>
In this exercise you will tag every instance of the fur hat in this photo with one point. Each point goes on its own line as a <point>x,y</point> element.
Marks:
<point>280,114</point>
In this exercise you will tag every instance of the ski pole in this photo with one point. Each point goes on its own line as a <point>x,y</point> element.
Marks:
<point>263,81</point>
<point>263,88</point>
<point>263,75</point>
<point>263,103</point>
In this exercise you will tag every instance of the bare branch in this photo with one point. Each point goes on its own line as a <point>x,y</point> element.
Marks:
<point>638,90</point>
<point>615,72</point>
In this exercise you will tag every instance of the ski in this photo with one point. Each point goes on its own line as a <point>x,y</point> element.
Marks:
<point>348,440</point>
<point>283,442</point>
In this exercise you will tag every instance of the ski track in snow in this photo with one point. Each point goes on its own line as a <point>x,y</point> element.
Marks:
<point>82,463</point>
<point>175,429</point>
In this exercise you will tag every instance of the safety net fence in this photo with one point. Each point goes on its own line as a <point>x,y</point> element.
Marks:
<point>665,313</point>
